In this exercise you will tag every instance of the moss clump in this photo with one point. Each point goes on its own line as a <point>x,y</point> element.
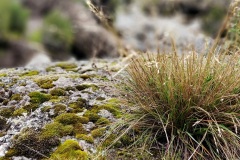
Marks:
<point>86,138</point>
<point>70,88</point>
<point>102,121</point>
<point>79,129</point>
<point>92,115</point>
<point>7,112</point>
<point>70,149</point>
<point>38,97</point>
<point>46,109</point>
<point>56,129</point>
<point>66,66</point>
<point>31,107</point>
<point>11,153</point>
<point>46,83</point>
<point>59,108</point>
<point>3,123</point>
<point>29,73</point>
<point>100,98</point>
<point>78,105</point>
<point>98,132</point>
<point>71,118</point>
<point>3,75</point>
<point>58,92</point>
<point>112,106</point>
<point>85,86</point>
<point>19,112</point>
<point>85,76</point>
<point>16,97</point>
<point>32,139</point>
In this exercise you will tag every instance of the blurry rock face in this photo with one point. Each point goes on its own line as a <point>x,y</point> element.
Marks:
<point>17,53</point>
<point>149,33</point>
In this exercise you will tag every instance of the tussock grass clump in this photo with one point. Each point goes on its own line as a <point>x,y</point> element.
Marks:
<point>185,106</point>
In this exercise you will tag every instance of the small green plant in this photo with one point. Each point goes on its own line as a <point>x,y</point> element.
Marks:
<point>185,106</point>
<point>57,32</point>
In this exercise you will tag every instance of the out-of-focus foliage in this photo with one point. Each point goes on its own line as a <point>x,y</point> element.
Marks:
<point>57,32</point>
<point>213,19</point>
<point>13,18</point>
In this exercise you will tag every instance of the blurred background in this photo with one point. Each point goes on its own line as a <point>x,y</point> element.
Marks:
<point>34,32</point>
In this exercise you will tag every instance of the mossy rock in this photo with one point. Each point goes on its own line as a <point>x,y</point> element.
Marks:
<point>7,111</point>
<point>31,107</point>
<point>46,83</point>
<point>58,92</point>
<point>71,150</point>
<point>99,132</point>
<point>29,73</point>
<point>86,138</point>
<point>46,109</point>
<point>56,130</point>
<point>66,66</point>
<point>3,123</point>
<point>79,129</point>
<point>77,106</point>
<point>19,112</point>
<point>33,141</point>
<point>59,109</point>
<point>92,115</point>
<point>103,121</point>
<point>3,74</point>
<point>71,118</point>
<point>16,97</point>
<point>85,86</point>
<point>11,153</point>
<point>39,97</point>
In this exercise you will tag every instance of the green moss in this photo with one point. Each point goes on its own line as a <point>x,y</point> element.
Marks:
<point>3,123</point>
<point>46,109</point>
<point>112,106</point>
<point>78,105</point>
<point>85,86</point>
<point>16,97</point>
<point>58,99</point>
<point>126,140</point>
<point>85,76</point>
<point>86,138</point>
<point>92,115</point>
<point>11,153</point>
<point>110,140</point>
<point>46,83</point>
<point>29,73</point>
<point>5,102</point>
<point>59,109</point>
<point>3,75</point>
<point>19,112</point>
<point>98,132</point>
<point>71,150</point>
<point>38,97</point>
<point>58,92</point>
<point>70,118</point>
<point>100,98</point>
<point>31,107</point>
<point>66,66</point>
<point>70,88</point>
<point>102,120</point>
<point>56,129</point>
<point>32,139</point>
<point>7,112</point>
<point>79,129</point>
